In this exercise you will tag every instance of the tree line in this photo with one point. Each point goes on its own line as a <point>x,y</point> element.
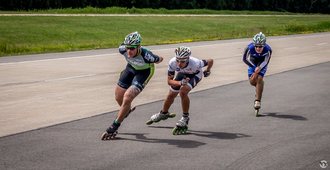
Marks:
<point>299,6</point>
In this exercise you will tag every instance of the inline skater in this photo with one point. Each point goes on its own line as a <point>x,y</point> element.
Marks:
<point>184,73</point>
<point>133,79</point>
<point>257,56</point>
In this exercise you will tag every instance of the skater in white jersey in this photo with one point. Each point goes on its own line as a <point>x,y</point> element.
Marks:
<point>184,73</point>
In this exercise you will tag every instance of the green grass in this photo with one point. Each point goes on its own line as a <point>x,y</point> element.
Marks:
<point>40,34</point>
<point>120,10</point>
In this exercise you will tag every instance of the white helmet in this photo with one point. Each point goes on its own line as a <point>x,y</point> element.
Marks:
<point>182,53</point>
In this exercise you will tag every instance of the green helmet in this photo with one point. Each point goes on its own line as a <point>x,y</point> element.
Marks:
<point>133,39</point>
<point>259,39</point>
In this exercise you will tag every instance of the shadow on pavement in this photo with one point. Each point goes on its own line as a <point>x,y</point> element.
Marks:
<point>283,116</point>
<point>218,135</point>
<point>214,135</point>
<point>181,143</point>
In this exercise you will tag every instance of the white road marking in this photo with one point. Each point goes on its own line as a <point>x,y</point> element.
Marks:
<point>322,43</point>
<point>99,55</point>
<point>72,77</point>
<point>290,48</point>
<point>53,59</point>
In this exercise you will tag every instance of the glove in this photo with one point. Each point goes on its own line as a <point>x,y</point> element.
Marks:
<point>184,81</point>
<point>206,73</point>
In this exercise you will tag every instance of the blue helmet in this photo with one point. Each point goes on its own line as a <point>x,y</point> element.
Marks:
<point>259,39</point>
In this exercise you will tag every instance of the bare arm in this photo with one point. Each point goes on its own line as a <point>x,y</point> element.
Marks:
<point>172,82</point>
<point>209,64</point>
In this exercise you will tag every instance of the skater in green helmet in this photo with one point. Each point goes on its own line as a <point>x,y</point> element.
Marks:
<point>184,73</point>
<point>133,79</point>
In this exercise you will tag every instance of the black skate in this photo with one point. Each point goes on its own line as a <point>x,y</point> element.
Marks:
<point>110,133</point>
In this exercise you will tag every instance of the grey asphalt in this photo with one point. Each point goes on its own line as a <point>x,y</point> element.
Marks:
<point>293,133</point>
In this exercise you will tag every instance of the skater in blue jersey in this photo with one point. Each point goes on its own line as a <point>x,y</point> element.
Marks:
<point>257,56</point>
<point>139,70</point>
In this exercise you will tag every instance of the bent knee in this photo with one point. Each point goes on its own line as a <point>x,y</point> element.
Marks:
<point>260,79</point>
<point>253,83</point>
<point>184,91</point>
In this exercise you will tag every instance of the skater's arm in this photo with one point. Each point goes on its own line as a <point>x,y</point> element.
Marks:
<point>247,58</point>
<point>150,57</point>
<point>208,63</point>
<point>266,61</point>
<point>171,81</point>
<point>160,60</point>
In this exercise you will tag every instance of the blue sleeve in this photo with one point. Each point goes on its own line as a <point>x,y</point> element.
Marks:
<point>246,57</point>
<point>267,57</point>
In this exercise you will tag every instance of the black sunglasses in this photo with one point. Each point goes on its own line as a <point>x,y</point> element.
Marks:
<point>259,46</point>
<point>131,48</point>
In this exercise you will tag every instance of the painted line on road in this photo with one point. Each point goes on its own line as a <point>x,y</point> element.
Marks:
<point>72,77</point>
<point>164,49</point>
<point>54,59</point>
<point>99,55</point>
<point>322,43</point>
<point>290,48</point>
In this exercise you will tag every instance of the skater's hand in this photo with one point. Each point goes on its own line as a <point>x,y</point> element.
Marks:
<point>160,60</point>
<point>257,70</point>
<point>185,81</point>
<point>206,73</point>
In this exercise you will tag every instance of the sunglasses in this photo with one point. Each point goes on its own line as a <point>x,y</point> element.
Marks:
<point>131,47</point>
<point>259,46</point>
<point>181,61</point>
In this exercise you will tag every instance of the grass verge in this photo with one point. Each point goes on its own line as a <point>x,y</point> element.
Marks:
<point>40,34</point>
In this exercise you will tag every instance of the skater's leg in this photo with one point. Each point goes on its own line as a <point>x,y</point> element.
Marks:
<point>169,101</point>
<point>185,101</point>
<point>129,96</point>
<point>259,88</point>
<point>119,94</point>
<point>253,79</point>
<point>164,114</point>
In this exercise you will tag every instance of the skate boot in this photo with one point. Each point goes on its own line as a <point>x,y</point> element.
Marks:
<point>111,132</point>
<point>181,126</point>
<point>257,105</point>
<point>160,116</point>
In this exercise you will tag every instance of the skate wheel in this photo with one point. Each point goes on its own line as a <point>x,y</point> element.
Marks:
<point>149,122</point>
<point>171,115</point>
<point>175,131</point>
<point>179,130</point>
<point>107,136</point>
<point>256,111</point>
